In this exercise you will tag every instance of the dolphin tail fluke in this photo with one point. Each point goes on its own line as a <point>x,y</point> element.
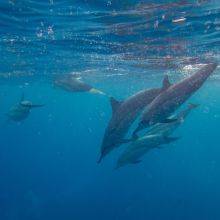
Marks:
<point>96,91</point>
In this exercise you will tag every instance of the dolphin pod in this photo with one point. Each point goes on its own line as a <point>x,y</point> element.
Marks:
<point>173,97</point>
<point>72,83</point>
<point>123,115</point>
<point>156,107</point>
<point>156,136</point>
<point>21,110</point>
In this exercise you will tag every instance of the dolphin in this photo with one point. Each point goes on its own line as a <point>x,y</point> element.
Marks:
<point>174,96</point>
<point>72,83</point>
<point>167,129</point>
<point>21,110</point>
<point>156,136</point>
<point>138,148</point>
<point>124,114</point>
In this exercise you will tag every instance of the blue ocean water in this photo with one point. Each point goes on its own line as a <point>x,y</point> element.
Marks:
<point>48,162</point>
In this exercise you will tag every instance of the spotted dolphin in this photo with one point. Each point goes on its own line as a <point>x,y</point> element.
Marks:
<point>173,97</point>
<point>124,114</point>
<point>72,83</point>
<point>138,148</point>
<point>21,111</point>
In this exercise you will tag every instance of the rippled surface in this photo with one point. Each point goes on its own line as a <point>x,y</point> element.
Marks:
<point>50,37</point>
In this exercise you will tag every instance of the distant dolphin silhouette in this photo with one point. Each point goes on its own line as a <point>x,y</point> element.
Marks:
<point>21,110</point>
<point>175,95</point>
<point>72,83</point>
<point>124,114</point>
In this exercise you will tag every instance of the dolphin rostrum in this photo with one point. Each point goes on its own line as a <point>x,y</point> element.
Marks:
<point>71,83</point>
<point>21,110</point>
<point>124,114</point>
<point>170,99</point>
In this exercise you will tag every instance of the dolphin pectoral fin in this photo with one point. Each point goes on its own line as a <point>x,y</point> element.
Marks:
<point>136,161</point>
<point>171,139</point>
<point>115,104</point>
<point>169,120</point>
<point>166,83</point>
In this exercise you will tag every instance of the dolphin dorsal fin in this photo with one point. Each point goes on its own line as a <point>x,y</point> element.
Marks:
<point>166,82</point>
<point>115,104</point>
